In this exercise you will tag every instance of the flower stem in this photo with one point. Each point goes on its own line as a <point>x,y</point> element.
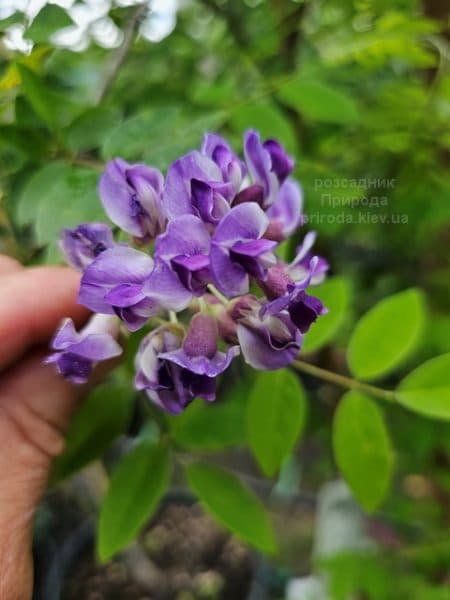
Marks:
<point>343,381</point>
<point>215,292</point>
<point>173,316</point>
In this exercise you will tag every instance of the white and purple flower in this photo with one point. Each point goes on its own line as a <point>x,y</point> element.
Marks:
<point>75,354</point>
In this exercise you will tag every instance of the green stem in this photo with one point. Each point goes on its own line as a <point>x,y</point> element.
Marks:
<point>215,292</point>
<point>343,381</point>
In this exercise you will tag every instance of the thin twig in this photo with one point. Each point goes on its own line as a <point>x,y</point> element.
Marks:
<point>121,53</point>
<point>343,381</point>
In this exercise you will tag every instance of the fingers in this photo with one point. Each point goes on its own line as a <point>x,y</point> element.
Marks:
<point>9,265</point>
<point>32,303</point>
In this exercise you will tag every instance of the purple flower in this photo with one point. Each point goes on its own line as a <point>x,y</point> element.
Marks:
<point>302,308</point>
<point>267,342</point>
<point>268,164</point>
<point>231,166</point>
<point>238,249</point>
<point>84,243</point>
<point>185,247</point>
<point>113,284</point>
<point>76,353</point>
<point>160,378</point>
<point>131,196</point>
<point>174,373</point>
<point>285,214</point>
<point>199,357</point>
<point>195,185</point>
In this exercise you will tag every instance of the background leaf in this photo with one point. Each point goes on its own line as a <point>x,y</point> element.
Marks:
<point>276,414</point>
<point>177,133</point>
<point>136,487</point>
<point>103,416</point>
<point>59,195</point>
<point>49,19</point>
<point>362,448</point>
<point>427,389</point>
<point>335,295</point>
<point>386,335</point>
<point>232,504</point>
<point>213,426</point>
<point>319,101</point>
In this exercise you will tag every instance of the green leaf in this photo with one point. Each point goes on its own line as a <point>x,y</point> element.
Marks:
<point>276,415</point>
<point>362,449</point>
<point>268,119</point>
<point>91,128</point>
<point>171,132</point>
<point>14,19</point>
<point>137,485</point>
<point>232,504</point>
<point>387,335</point>
<point>102,417</point>
<point>335,295</point>
<point>50,18</point>
<point>427,389</point>
<point>212,426</point>
<point>319,102</point>
<point>57,196</point>
<point>53,108</point>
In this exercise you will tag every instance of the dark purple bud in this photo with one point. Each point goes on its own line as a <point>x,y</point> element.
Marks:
<point>84,243</point>
<point>304,309</point>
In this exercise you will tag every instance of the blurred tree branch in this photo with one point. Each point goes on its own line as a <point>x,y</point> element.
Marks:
<point>119,56</point>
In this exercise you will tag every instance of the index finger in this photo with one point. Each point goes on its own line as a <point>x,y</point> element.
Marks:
<point>32,303</point>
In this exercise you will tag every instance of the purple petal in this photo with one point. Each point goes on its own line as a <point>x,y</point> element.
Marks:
<point>97,347</point>
<point>125,295</point>
<point>259,165</point>
<point>286,211</point>
<point>164,287</point>
<point>115,195</point>
<point>186,235</point>
<point>244,222</point>
<point>229,277</point>
<point>177,191</point>
<point>259,353</point>
<point>201,365</point>
<point>281,163</point>
<point>65,336</point>
<point>83,244</point>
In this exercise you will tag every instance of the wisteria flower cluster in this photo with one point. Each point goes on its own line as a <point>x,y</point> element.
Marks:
<point>213,225</point>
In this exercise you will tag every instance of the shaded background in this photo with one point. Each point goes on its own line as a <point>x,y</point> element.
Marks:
<point>357,91</point>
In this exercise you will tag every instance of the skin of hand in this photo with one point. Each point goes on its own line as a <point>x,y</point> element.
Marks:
<point>36,405</point>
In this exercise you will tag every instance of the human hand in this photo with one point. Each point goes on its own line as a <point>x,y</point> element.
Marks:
<point>35,406</point>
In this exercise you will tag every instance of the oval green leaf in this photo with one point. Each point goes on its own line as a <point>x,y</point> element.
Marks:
<point>427,389</point>
<point>215,426</point>
<point>362,449</point>
<point>335,295</point>
<point>100,420</point>
<point>276,413</point>
<point>319,101</point>
<point>232,504</point>
<point>137,485</point>
<point>386,335</point>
